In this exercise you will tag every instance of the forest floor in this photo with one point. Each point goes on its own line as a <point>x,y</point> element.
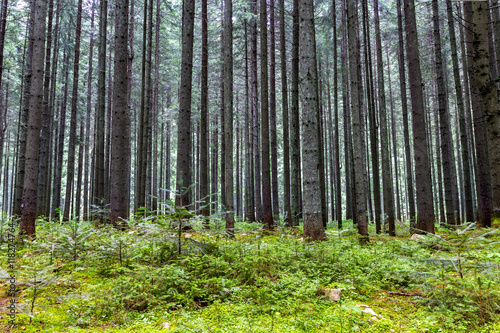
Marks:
<point>83,277</point>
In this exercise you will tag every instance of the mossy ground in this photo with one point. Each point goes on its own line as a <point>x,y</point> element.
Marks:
<point>101,280</point>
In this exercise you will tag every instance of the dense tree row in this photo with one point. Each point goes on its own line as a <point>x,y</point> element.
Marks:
<point>271,111</point>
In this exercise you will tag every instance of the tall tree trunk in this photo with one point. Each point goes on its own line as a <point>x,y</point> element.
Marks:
<point>42,202</point>
<point>425,209</point>
<point>477,53</point>
<point>394,140</point>
<point>255,115</point>
<point>294,119</point>
<point>249,162</point>
<point>70,172</point>
<point>56,202</point>
<point>120,136</point>
<point>184,120</point>
<point>23,114</point>
<point>461,116</point>
<point>99,167</point>
<point>406,124</point>
<point>444,122</point>
<point>205,211</point>
<point>28,212</point>
<point>286,125</point>
<point>336,149</point>
<point>313,220</point>
<point>228,116</point>
<point>267,209</point>
<point>86,192</point>
<point>373,122</point>
<point>386,158</point>
<point>357,123</point>
<point>272,111</point>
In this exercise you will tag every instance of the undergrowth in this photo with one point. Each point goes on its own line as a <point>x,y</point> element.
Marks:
<point>87,277</point>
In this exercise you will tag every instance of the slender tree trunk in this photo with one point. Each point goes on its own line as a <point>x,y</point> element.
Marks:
<point>46,117</point>
<point>476,30</point>
<point>336,149</point>
<point>222,117</point>
<point>461,116</point>
<point>386,159</point>
<point>255,115</point>
<point>228,116</point>
<point>249,162</point>
<point>120,144</point>
<point>444,123</point>
<point>406,124</point>
<point>267,209</point>
<point>184,120</point>
<point>272,111</point>
<point>204,114</point>
<point>99,167</point>
<point>88,120</point>
<point>294,119</point>
<point>394,142</point>
<point>23,116</point>
<point>61,130</point>
<point>357,123</point>
<point>425,209</point>
<point>373,123</point>
<point>313,220</point>
<point>70,172</point>
<point>28,212</point>
<point>286,136</point>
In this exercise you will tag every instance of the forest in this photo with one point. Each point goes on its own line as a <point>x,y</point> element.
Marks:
<point>250,166</point>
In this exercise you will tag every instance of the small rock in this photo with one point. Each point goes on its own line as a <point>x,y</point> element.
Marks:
<point>417,237</point>
<point>187,235</point>
<point>333,294</point>
<point>374,318</point>
<point>371,312</point>
<point>363,305</point>
<point>165,325</point>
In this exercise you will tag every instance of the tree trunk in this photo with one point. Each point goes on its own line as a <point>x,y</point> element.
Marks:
<point>406,124</point>
<point>444,123</point>
<point>42,202</point>
<point>357,123</point>
<point>477,53</point>
<point>120,136</point>
<point>70,172</point>
<point>184,120</point>
<point>99,168</point>
<point>86,192</point>
<point>228,116</point>
<point>249,162</point>
<point>386,158</point>
<point>461,116</point>
<point>286,136</point>
<point>313,220</point>
<point>205,211</point>
<point>267,209</point>
<point>294,119</point>
<point>28,212</point>
<point>272,111</point>
<point>425,209</point>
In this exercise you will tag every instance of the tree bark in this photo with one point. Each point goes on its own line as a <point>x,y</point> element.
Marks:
<point>28,212</point>
<point>228,116</point>
<point>120,136</point>
<point>184,120</point>
<point>357,123</point>
<point>70,172</point>
<point>313,219</point>
<point>425,209</point>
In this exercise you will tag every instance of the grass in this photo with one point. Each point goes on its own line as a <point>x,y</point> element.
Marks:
<point>81,277</point>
